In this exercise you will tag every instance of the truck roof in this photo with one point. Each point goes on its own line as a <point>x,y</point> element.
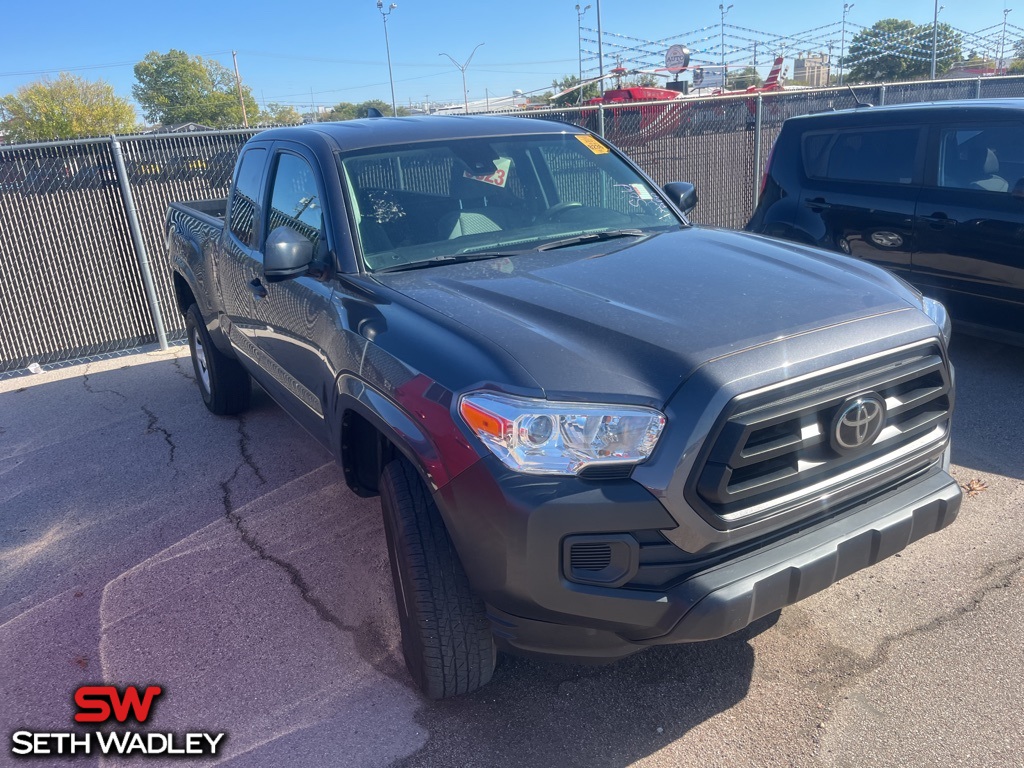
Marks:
<point>384,131</point>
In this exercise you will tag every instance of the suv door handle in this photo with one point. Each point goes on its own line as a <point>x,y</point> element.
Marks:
<point>938,220</point>
<point>817,204</point>
<point>258,291</point>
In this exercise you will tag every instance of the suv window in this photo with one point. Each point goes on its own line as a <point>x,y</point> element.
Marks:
<point>986,158</point>
<point>885,156</point>
<point>295,201</point>
<point>243,203</point>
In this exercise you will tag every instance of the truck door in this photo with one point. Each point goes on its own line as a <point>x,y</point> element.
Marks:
<point>240,256</point>
<point>291,316</point>
<point>970,224</point>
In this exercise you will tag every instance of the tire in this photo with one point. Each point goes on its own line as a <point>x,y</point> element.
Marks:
<point>223,382</point>
<point>446,637</point>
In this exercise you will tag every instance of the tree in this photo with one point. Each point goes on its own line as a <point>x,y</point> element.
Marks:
<point>893,49</point>
<point>578,96</point>
<point>1018,49</point>
<point>348,111</point>
<point>742,79</point>
<point>280,114</point>
<point>69,107</point>
<point>174,88</point>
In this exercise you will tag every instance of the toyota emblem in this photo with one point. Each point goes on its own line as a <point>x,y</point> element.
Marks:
<point>858,423</point>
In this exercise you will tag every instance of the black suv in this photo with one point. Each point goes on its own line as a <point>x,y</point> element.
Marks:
<point>934,192</point>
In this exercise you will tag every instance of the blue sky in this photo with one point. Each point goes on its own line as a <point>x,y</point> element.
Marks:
<point>336,49</point>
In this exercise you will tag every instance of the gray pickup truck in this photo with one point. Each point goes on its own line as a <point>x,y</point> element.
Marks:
<point>593,427</point>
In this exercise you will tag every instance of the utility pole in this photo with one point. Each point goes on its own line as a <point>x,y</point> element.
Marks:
<point>387,47</point>
<point>842,45</point>
<point>312,103</point>
<point>724,10</point>
<point>579,42</point>
<point>1002,42</point>
<point>238,81</point>
<point>935,36</point>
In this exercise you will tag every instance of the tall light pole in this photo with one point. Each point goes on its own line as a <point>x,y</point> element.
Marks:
<point>579,39</point>
<point>462,68</point>
<point>935,36</point>
<point>1002,42</point>
<point>387,46</point>
<point>724,9</point>
<point>842,45</point>
<point>600,49</point>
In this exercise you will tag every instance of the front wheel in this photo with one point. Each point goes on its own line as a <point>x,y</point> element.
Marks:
<point>223,382</point>
<point>446,637</point>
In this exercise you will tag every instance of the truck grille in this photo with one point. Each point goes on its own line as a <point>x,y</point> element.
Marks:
<point>773,449</point>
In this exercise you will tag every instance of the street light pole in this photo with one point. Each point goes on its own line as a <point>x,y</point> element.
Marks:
<point>600,49</point>
<point>462,68</point>
<point>387,46</point>
<point>724,10</point>
<point>579,40</point>
<point>1002,42</point>
<point>935,39</point>
<point>842,45</point>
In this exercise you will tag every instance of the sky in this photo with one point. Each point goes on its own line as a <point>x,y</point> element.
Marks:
<point>318,52</point>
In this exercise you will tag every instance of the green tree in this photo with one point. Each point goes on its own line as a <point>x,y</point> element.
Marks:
<point>741,79</point>
<point>69,107</point>
<point>280,114</point>
<point>574,97</point>
<point>1018,49</point>
<point>348,111</point>
<point>174,88</point>
<point>894,49</point>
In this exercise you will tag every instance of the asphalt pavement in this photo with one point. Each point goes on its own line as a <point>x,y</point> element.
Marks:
<point>144,541</point>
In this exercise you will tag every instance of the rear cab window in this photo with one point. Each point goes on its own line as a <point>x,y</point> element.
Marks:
<point>875,155</point>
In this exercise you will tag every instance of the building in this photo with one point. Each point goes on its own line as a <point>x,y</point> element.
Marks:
<point>812,70</point>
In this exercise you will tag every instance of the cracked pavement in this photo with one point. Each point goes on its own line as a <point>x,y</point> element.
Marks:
<point>144,541</point>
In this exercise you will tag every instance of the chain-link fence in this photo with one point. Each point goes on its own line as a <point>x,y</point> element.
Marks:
<point>78,220</point>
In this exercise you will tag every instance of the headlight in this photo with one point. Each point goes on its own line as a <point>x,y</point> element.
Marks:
<point>543,437</point>
<point>939,316</point>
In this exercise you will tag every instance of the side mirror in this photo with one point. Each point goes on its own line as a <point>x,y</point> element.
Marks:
<point>683,194</point>
<point>288,254</point>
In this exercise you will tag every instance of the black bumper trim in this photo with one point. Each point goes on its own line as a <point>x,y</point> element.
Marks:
<point>728,597</point>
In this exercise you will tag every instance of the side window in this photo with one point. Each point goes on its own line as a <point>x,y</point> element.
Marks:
<point>985,158</point>
<point>886,156</point>
<point>244,210</point>
<point>295,200</point>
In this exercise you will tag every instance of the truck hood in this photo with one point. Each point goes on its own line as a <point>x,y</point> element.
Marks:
<point>633,320</point>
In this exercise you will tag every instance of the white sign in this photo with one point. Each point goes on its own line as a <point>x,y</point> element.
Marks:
<point>677,58</point>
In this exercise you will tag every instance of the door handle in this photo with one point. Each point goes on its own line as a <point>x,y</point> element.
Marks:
<point>258,291</point>
<point>817,204</point>
<point>939,220</point>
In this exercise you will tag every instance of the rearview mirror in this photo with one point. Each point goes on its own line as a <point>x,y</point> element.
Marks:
<point>288,254</point>
<point>683,194</point>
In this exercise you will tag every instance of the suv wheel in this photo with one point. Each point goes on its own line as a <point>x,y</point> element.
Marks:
<point>446,637</point>
<point>223,382</point>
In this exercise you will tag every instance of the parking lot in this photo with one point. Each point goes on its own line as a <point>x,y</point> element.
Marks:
<point>145,541</point>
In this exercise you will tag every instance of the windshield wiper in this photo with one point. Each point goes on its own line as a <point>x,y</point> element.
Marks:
<point>457,258</point>
<point>592,237</point>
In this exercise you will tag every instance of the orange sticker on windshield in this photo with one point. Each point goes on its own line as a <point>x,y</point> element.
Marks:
<point>593,144</point>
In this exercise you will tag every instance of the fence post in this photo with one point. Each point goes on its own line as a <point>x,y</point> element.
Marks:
<point>881,96</point>
<point>600,120</point>
<point>137,241</point>
<point>758,117</point>
<point>977,89</point>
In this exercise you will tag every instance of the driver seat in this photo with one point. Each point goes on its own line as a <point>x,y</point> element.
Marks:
<point>479,210</point>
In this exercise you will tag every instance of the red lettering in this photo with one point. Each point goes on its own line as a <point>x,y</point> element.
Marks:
<point>92,701</point>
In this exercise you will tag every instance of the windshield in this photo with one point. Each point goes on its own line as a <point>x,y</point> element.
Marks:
<point>432,203</point>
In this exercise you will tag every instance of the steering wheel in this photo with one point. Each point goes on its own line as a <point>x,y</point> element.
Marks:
<point>556,210</point>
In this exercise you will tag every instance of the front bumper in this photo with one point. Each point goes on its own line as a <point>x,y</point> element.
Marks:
<point>508,531</point>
